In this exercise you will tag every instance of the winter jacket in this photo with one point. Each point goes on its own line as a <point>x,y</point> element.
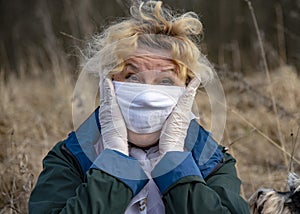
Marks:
<point>76,179</point>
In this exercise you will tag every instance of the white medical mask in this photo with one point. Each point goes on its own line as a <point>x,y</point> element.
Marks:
<point>146,107</point>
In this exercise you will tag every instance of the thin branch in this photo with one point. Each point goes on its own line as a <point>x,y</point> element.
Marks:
<point>71,37</point>
<point>294,141</point>
<point>263,135</point>
<point>237,164</point>
<point>241,137</point>
<point>266,68</point>
<point>259,97</point>
<point>256,129</point>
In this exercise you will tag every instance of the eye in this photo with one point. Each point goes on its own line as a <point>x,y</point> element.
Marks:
<point>131,77</point>
<point>167,81</point>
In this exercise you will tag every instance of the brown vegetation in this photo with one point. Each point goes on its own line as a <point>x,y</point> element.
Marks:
<point>35,113</point>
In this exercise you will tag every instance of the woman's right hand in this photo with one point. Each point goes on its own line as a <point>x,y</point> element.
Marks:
<point>113,128</point>
<point>175,128</point>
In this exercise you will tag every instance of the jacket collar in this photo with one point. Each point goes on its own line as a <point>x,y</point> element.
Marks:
<point>82,142</point>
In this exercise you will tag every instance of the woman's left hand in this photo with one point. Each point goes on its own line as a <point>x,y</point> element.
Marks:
<point>175,128</point>
<point>113,128</point>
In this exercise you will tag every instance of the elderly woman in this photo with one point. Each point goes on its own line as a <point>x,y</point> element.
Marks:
<point>146,153</point>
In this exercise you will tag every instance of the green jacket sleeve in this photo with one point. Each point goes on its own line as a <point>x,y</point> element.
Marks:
<point>219,193</point>
<point>62,189</point>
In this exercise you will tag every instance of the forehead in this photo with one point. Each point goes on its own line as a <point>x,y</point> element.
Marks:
<point>151,61</point>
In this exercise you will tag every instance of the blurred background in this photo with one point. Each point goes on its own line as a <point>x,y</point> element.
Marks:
<point>43,33</point>
<point>42,45</point>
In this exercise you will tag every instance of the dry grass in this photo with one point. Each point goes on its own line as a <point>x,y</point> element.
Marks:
<point>36,113</point>
<point>251,131</point>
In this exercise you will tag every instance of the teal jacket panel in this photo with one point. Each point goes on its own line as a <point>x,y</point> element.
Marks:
<point>75,180</point>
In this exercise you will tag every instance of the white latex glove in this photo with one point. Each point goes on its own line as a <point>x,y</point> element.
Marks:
<point>113,128</point>
<point>175,128</point>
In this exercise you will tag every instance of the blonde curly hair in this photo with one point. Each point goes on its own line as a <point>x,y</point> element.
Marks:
<point>151,27</point>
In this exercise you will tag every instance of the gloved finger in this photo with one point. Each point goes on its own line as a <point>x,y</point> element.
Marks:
<point>194,84</point>
<point>186,100</point>
<point>101,89</point>
<point>108,92</point>
<point>109,108</point>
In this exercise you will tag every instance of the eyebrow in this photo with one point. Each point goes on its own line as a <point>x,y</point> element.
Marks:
<point>170,73</point>
<point>132,65</point>
<point>173,68</point>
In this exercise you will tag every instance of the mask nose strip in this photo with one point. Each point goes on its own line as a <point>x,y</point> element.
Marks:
<point>155,99</point>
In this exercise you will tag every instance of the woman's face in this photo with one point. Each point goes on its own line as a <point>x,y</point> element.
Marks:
<point>149,69</point>
<point>153,70</point>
